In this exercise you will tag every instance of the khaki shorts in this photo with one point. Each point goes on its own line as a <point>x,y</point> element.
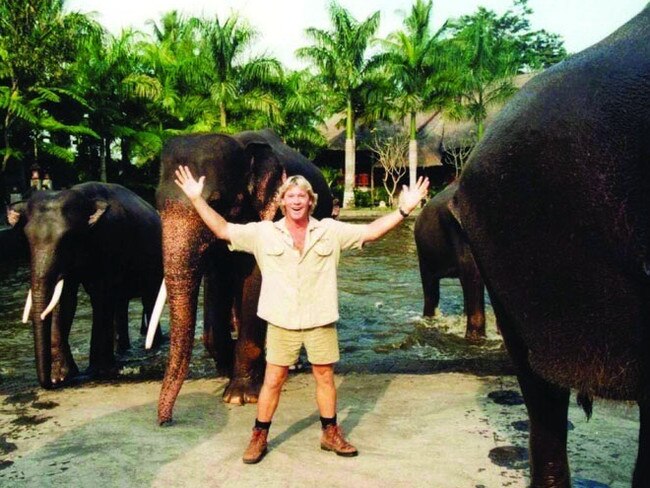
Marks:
<point>283,345</point>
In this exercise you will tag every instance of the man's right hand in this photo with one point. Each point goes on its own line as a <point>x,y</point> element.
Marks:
<point>191,187</point>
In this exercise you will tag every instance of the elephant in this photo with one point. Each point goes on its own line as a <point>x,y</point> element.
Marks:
<point>443,252</point>
<point>242,174</point>
<point>103,237</point>
<point>555,204</point>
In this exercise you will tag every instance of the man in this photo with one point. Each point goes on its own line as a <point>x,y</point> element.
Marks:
<point>298,257</point>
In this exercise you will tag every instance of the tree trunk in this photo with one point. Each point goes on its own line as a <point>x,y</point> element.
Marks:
<point>102,161</point>
<point>413,153</point>
<point>350,157</point>
<point>413,162</point>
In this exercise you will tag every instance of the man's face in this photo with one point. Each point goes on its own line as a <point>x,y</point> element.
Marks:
<point>296,203</point>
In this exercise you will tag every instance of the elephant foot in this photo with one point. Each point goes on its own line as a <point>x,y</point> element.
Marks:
<point>63,372</point>
<point>241,391</point>
<point>102,372</point>
<point>165,423</point>
<point>475,337</point>
<point>165,416</point>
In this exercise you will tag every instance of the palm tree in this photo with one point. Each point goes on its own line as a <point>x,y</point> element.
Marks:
<point>301,112</point>
<point>235,84</point>
<point>339,57</point>
<point>110,73</point>
<point>37,42</point>
<point>489,61</point>
<point>420,69</point>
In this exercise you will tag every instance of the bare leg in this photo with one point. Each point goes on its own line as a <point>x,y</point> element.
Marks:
<point>325,389</point>
<point>274,378</point>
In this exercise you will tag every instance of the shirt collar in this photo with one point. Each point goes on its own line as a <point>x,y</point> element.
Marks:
<point>281,225</point>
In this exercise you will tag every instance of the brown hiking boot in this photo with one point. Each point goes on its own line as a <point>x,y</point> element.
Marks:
<point>256,447</point>
<point>333,440</point>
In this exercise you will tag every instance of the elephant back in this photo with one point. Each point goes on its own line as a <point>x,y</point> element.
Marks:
<point>218,157</point>
<point>555,201</point>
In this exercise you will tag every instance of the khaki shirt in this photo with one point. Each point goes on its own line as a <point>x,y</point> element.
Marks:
<point>299,291</point>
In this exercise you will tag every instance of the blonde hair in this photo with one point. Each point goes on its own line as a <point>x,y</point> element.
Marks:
<point>302,183</point>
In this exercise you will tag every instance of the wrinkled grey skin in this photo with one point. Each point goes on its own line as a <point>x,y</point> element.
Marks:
<point>443,252</point>
<point>243,173</point>
<point>555,202</point>
<point>115,258</point>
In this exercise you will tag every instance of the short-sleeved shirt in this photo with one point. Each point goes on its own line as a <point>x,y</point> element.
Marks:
<point>299,291</point>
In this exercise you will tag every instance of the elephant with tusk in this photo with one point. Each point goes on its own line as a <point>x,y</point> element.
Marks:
<point>101,236</point>
<point>243,173</point>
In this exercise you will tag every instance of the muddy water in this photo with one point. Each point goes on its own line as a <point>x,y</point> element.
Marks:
<point>381,327</point>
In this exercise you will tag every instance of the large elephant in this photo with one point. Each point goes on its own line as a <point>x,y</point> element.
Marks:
<point>555,201</point>
<point>243,173</point>
<point>443,252</point>
<point>104,237</point>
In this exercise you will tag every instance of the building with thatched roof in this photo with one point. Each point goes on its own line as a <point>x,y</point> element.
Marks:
<point>437,136</point>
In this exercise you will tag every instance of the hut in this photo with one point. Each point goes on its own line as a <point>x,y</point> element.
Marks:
<point>442,142</point>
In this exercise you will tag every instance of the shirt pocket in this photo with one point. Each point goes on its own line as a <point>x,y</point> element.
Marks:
<point>272,250</point>
<point>324,248</point>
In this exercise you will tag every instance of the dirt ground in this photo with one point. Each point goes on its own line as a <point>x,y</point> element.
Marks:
<point>435,430</point>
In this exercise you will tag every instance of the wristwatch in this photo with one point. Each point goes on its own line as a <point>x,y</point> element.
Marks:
<point>402,212</point>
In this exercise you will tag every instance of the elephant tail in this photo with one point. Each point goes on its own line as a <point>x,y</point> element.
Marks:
<point>586,401</point>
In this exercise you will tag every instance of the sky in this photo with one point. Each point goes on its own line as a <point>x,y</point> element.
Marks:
<point>281,23</point>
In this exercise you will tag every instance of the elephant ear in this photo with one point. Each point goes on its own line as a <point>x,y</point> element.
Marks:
<point>16,213</point>
<point>100,208</point>
<point>266,176</point>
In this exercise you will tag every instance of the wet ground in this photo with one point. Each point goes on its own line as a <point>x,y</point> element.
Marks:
<point>424,407</point>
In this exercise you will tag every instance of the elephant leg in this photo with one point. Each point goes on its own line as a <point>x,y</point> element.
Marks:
<point>248,368</point>
<point>63,365</point>
<point>642,469</point>
<point>548,407</point>
<point>473,295</point>
<point>431,290</point>
<point>185,240</point>
<point>121,325</point>
<point>102,358</point>
<point>218,329</point>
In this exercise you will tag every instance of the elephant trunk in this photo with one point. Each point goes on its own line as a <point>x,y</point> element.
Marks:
<point>42,335</point>
<point>185,240</point>
<point>44,293</point>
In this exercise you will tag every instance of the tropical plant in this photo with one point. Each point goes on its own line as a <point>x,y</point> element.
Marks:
<point>339,56</point>
<point>110,74</point>
<point>489,63</point>
<point>491,50</point>
<point>301,107</point>
<point>245,87</point>
<point>38,42</point>
<point>421,71</point>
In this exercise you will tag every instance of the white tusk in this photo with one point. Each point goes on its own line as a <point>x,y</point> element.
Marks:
<point>155,315</point>
<point>58,289</point>
<point>28,307</point>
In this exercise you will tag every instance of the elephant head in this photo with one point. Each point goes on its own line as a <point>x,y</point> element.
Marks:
<point>241,179</point>
<point>55,224</point>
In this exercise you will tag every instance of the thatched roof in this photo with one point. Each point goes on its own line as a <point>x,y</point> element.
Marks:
<point>434,131</point>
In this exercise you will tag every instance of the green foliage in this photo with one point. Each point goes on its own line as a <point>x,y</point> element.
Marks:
<point>70,92</point>
<point>332,175</point>
<point>362,198</point>
<point>381,195</point>
<point>419,66</point>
